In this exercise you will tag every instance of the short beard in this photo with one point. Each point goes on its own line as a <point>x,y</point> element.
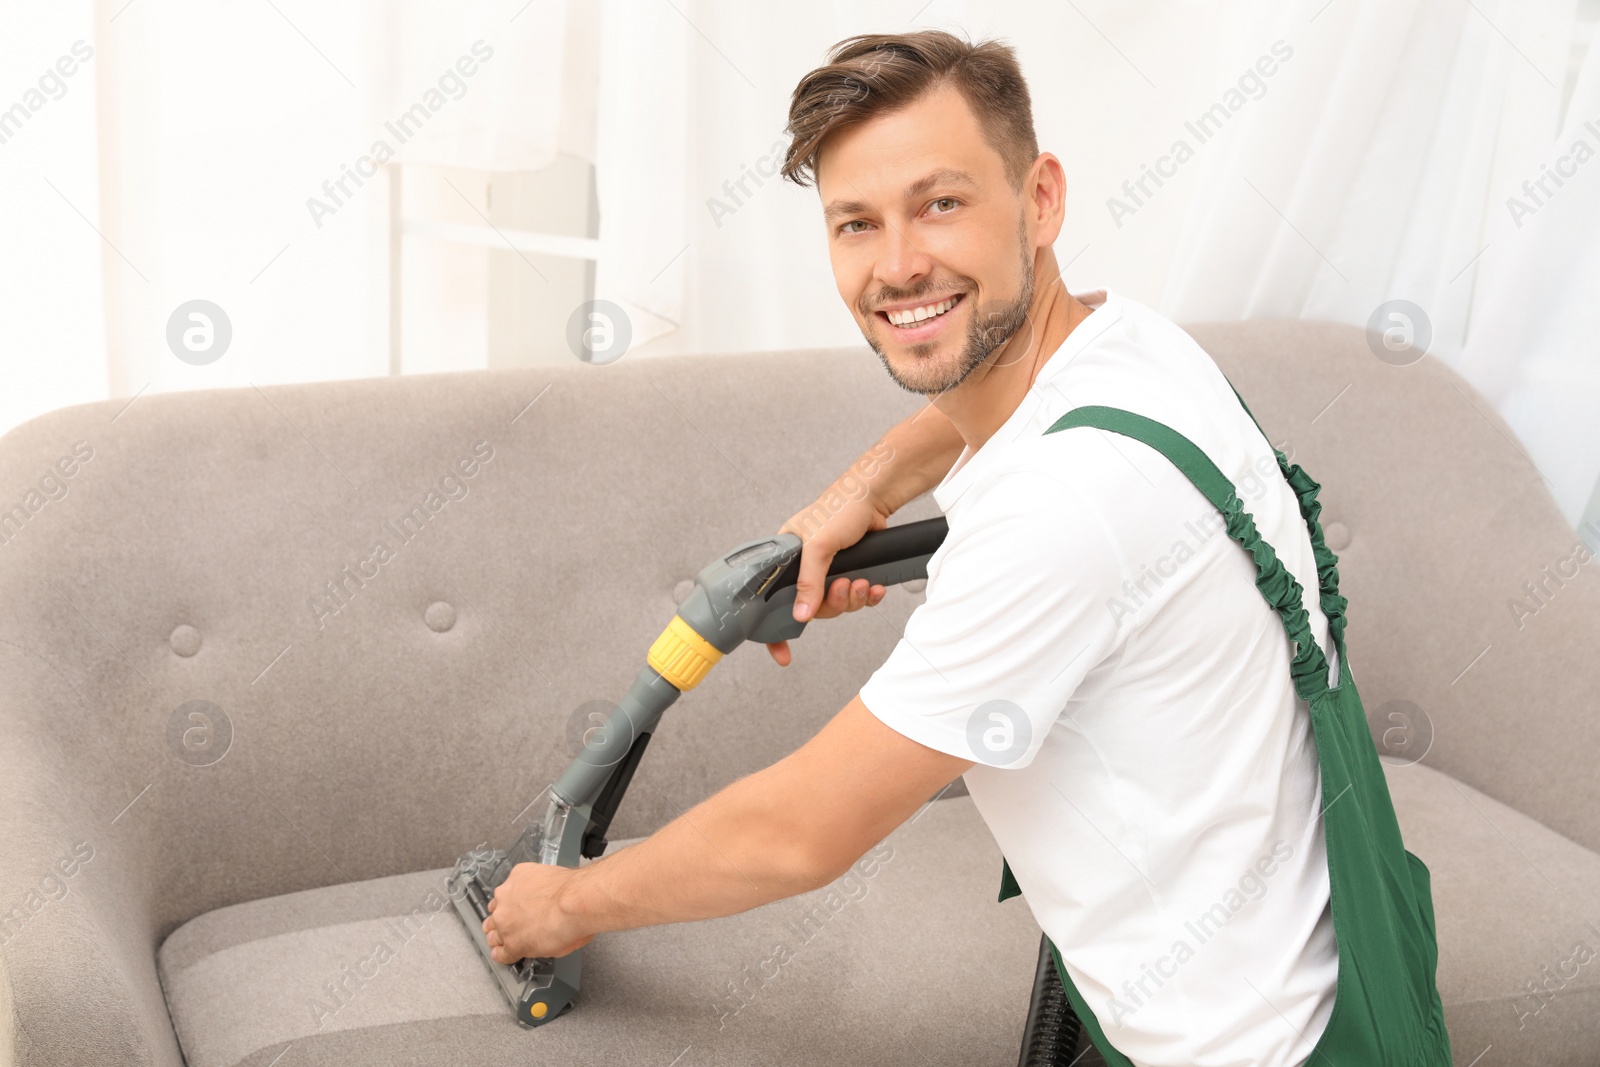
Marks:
<point>990,329</point>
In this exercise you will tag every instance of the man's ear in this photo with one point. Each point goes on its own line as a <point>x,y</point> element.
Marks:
<point>1045,198</point>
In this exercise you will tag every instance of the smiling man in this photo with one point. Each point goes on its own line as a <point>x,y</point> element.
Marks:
<point>1091,656</point>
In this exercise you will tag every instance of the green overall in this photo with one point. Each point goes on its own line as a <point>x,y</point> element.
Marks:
<point>1386,1009</point>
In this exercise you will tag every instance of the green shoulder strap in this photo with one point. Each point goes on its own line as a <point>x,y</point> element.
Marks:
<point>1276,584</point>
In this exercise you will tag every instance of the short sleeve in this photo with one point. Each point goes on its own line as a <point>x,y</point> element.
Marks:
<point>1018,611</point>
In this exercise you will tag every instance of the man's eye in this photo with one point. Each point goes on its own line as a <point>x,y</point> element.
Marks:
<point>950,200</point>
<point>845,228</point>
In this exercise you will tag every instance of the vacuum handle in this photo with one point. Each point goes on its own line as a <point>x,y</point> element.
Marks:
<point>889,556</point>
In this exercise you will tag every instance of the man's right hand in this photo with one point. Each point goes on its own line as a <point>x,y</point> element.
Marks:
<point>824,528</point>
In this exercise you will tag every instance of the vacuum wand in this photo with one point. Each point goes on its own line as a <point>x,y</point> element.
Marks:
<point>747,594</point>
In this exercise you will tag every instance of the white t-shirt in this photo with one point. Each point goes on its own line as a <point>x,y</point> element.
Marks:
<point>1095,641</point>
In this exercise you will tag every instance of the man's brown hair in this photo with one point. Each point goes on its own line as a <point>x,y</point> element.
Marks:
<point>874,73</point>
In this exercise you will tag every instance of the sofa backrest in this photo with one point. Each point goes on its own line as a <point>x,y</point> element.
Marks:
<point>396,596</point>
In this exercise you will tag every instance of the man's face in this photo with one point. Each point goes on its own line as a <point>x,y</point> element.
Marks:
<point>919,215</point>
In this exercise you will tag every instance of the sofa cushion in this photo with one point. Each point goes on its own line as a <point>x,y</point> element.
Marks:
<point>1517,908</point>
<point>913,964</point>
<point>906,961</point>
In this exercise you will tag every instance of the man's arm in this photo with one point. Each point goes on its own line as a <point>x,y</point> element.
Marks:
<point>925,446</point>
<point>793,827</point>
<point>906,462</point>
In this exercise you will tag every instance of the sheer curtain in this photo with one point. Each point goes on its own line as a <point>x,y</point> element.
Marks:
<point>1534,344</point>
<point>52,349</point>
<point>514,111</point>
<point>217,126</point>
<point>1367,171</point>
<point>1384,165</point>
<point>227,153</point>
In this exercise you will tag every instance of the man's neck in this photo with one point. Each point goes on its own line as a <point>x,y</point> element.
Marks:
<point>980,405</point>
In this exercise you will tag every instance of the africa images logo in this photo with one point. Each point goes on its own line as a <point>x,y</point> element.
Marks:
<point>999,732</point>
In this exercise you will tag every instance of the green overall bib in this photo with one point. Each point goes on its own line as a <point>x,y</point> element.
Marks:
<point>1386,1009</point>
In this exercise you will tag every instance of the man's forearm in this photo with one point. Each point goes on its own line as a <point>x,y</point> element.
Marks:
<point>790,828</point>
<point>922,450</point>
<point>732,852</point>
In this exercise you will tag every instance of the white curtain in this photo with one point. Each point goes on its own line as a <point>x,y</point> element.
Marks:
<point>1380,165</point>
<point>52,346</point>
<point>1534,344</point>
<point>216,152</point>
<point>642,151</point>
<point>1364,172</point>
<point>515,110</point>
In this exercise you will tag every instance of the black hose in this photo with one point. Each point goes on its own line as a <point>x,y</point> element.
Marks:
<point>1051,1035</point>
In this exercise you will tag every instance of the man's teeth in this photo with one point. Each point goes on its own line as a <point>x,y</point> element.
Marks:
<point>928,311</point>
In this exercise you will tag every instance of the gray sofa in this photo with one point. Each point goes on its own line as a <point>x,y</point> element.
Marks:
<point>237,745</point>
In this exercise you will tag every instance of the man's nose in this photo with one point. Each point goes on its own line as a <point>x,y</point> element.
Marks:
<point>901,264</point>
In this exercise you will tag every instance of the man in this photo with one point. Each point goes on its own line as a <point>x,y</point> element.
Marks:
<point>1093,653</point>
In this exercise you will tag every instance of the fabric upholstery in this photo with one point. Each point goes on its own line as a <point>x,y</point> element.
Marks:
<point>247,982</point>
<point>181,559</point>
<point>1512,901</point>
<point>913,963</point>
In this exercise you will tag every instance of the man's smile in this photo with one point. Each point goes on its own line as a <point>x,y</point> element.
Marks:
<point>919,322</point>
